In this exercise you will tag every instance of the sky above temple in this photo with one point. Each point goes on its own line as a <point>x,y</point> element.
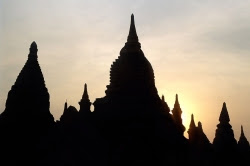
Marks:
<point>198,49</point>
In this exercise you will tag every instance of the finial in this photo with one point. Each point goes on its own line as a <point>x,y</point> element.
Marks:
<point>176,104</point>
<point>33,47</point>
<point>199,125</point>
<point>192,123</point>
<point>85,93</point>
<point>33,50</point>
<point>65,106</point>
<point>242,132</point>
<point>162,98</point>
<point>224,116</point>
<point>132,36</point>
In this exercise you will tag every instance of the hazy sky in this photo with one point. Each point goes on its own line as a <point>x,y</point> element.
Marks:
<point>199,49</point>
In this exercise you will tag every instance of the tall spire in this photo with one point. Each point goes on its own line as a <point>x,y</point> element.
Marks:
<point>242,132</point>
<point>85,102</point>
<point>192,123</point>
<point>192,130</point>
<point>85,92</point>
<point>176,104</point>
<point>224,117</point>
<point>132,36</point>
<point>177,114</point>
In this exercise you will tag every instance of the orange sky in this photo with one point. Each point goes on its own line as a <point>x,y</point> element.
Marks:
<point>199,50</point>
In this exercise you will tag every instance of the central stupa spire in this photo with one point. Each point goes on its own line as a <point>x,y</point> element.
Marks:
<point>132,74</point>
<point>132,36</point>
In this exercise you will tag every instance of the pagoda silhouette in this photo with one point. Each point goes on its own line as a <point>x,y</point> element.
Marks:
<point>130,126</point>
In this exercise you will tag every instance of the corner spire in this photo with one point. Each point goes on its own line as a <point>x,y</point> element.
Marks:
<point>224,116</point>
<point>192,123</point>
<point>176,104</point>
<point>242,132</point>
<point>177,115</point>
<point>243,143</point>
<point>200,126</point>
<point>33,50</point>
<point>132,36</point>
<point>65,106</point>
<point>162,98</point>
<point>85,93</point>
<point>85,102</point>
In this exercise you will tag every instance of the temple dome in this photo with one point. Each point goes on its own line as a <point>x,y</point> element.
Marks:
<point>131,73</point>
<point>28,99</point>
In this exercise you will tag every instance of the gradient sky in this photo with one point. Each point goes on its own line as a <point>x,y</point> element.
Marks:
<point>199,49</point>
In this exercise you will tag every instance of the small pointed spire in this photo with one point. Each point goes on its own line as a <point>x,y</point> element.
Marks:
<point>192,123</point>
<point>224,116</point>
<point>85,93</point>
<point>65,106</point>
<point>85,102</point>
<point>200,126</point>
<point>132,36</point>
<point>243,142</point>
<point>162,98</point>
<point>242,132</point>
<point>176,104</point>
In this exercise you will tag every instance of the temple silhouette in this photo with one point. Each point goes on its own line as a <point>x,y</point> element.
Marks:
<point>130,126</point>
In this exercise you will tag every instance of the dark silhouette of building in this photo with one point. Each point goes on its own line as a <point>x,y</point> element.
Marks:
<point>29,93</point>
<point>80,142</point>
<point>70,115</point>
<point>243,149</point>
<point>130,116</point>
<point>224,143</point>
<point>200,147</point>
<point>26,120</point>
<point>243,143</point>
<point>130,125</point>
<point>196,134</point>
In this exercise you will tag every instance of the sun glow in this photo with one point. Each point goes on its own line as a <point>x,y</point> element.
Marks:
<point>187,107</point>
<point>187,110</point>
